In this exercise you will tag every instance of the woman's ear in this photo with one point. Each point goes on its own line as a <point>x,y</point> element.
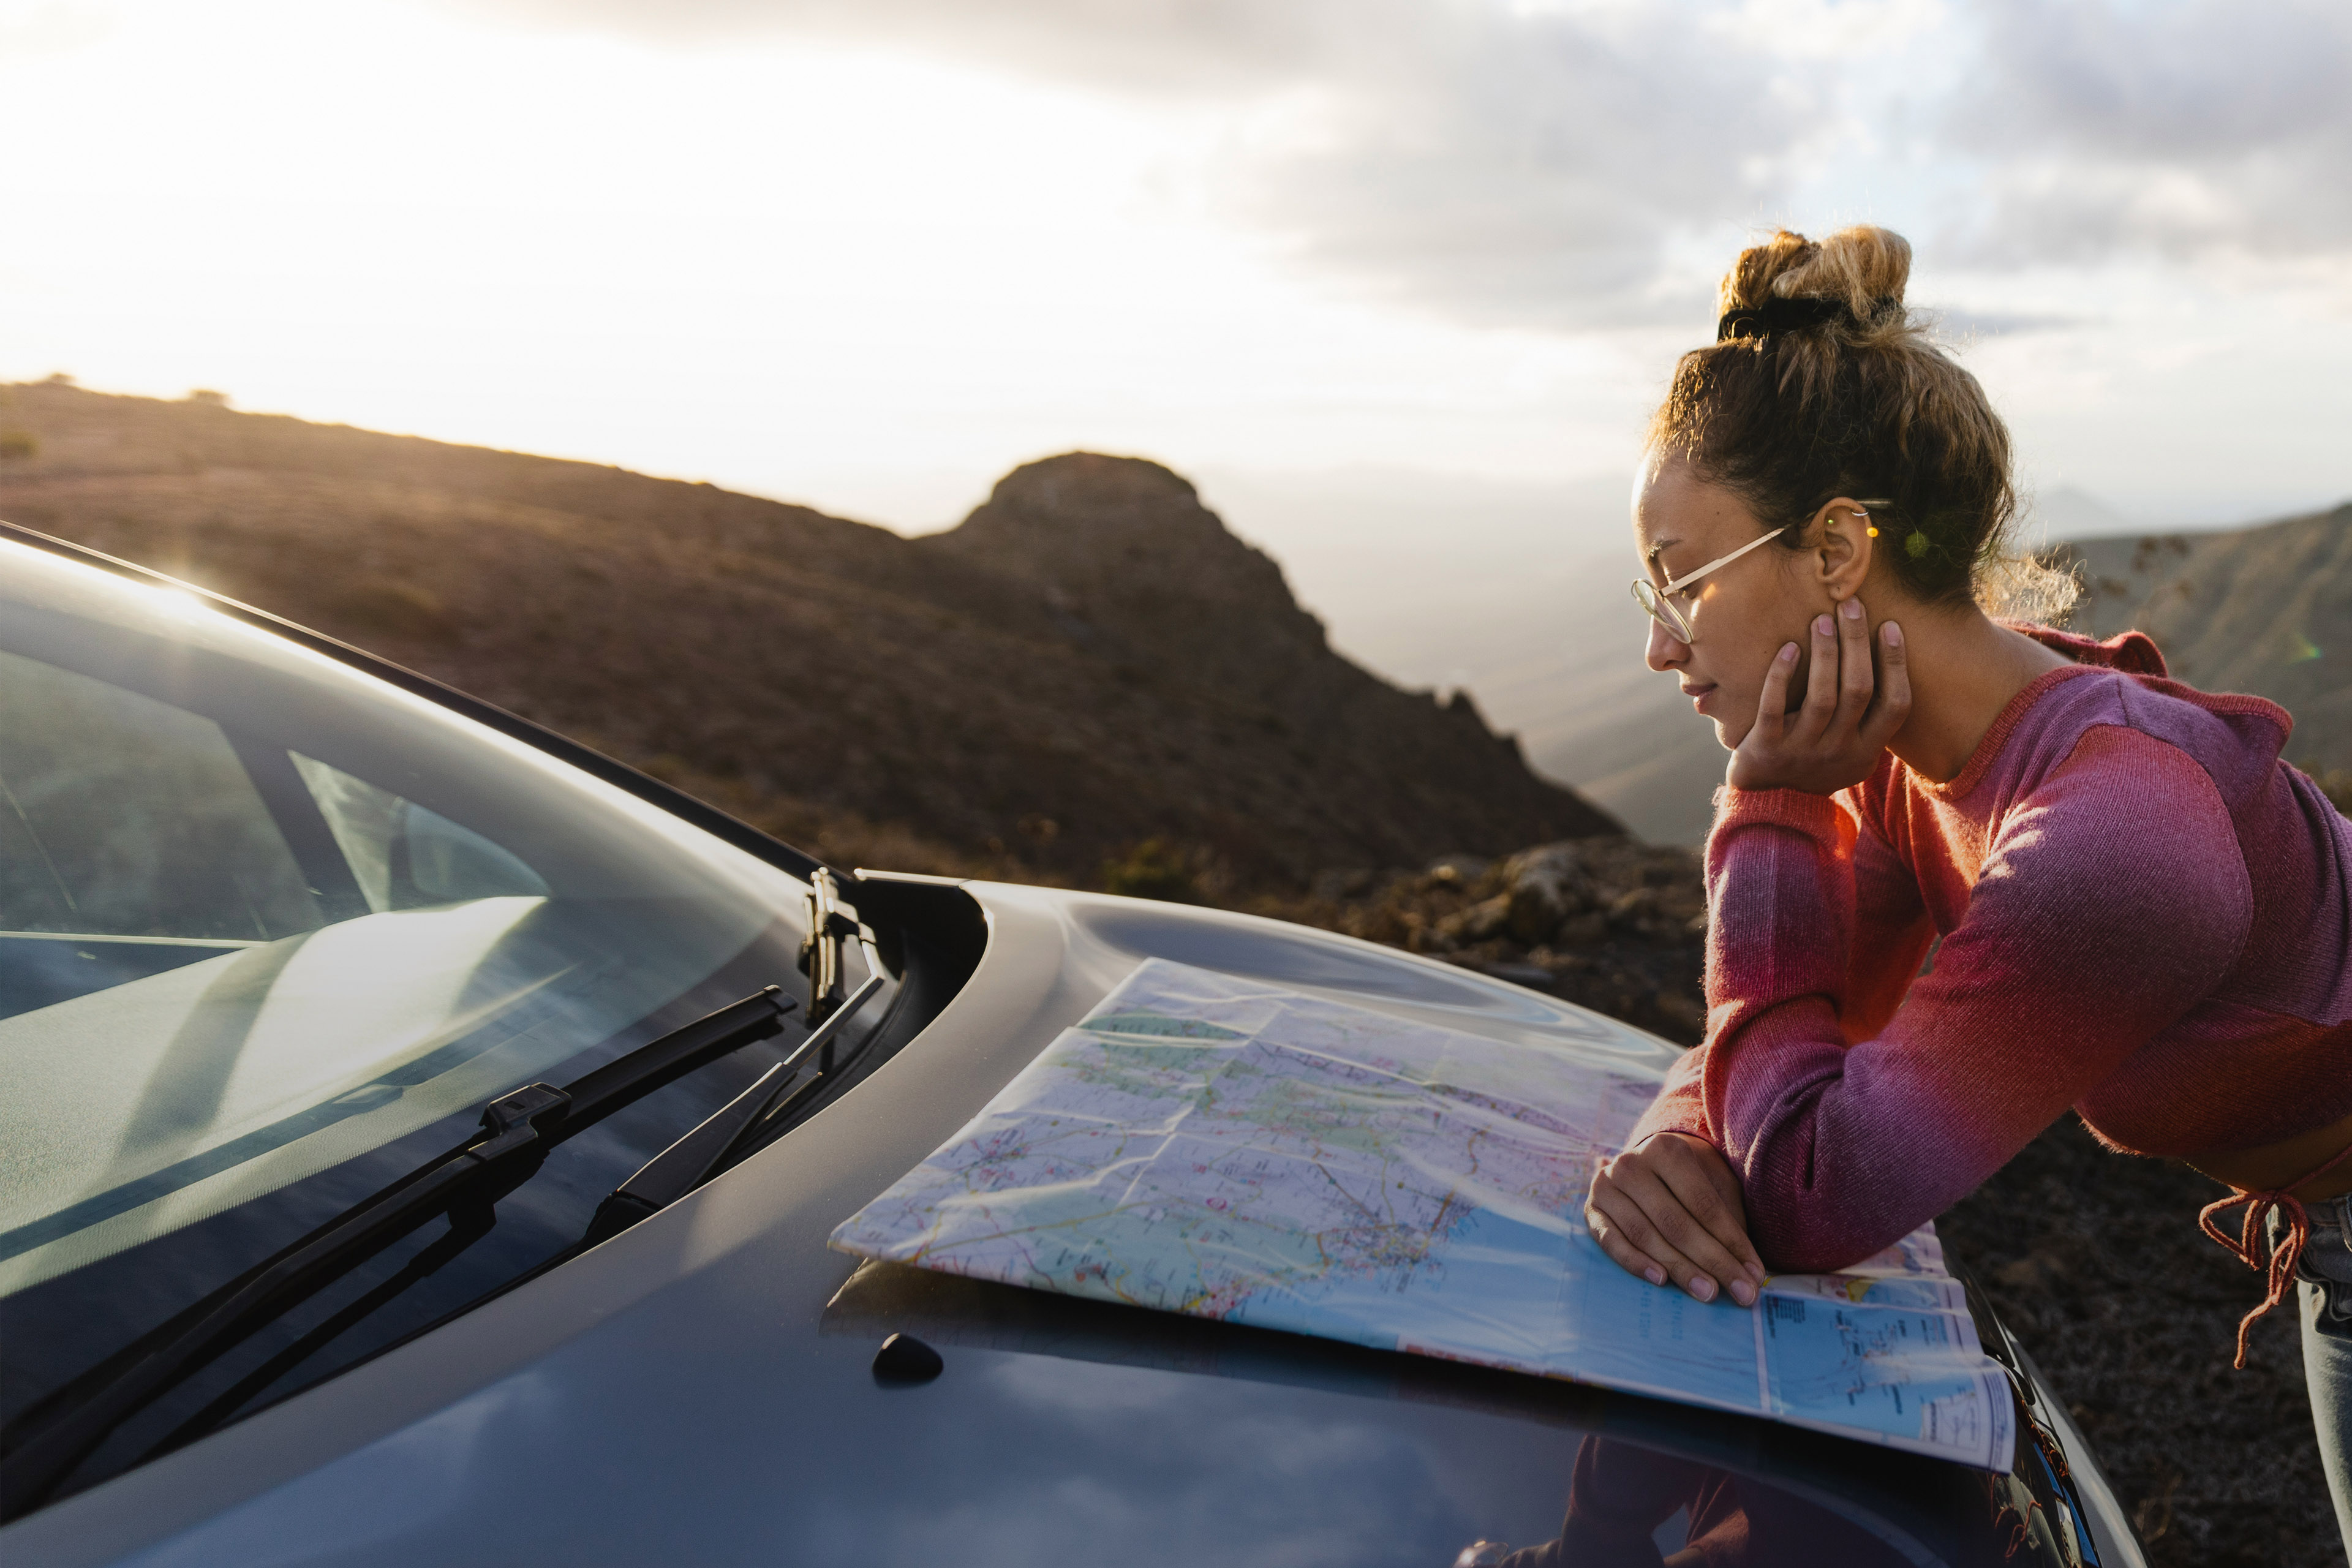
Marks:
<point>1846,542</point>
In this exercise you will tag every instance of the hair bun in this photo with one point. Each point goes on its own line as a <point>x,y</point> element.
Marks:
<point>1862,268</point>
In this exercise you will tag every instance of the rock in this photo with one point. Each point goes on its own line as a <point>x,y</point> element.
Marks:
<point>1338,887</point>
<point>1546,886</point>
<point>1480,922</point>
<point>1588,930</point>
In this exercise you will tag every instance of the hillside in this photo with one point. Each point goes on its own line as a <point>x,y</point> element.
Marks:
<point>2266,610</point>
<point>1091,669</point>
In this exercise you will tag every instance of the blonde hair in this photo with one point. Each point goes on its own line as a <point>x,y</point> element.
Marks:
<point>1845,393</point>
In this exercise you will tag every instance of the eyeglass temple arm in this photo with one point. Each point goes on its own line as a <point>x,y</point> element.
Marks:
<point>1676,584</point>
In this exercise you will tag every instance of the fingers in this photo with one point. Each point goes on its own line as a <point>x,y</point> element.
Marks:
<point>1710,1191</point>
<point>1626,1233</point>
<point>1622,1252</point>
<point>1822,679</point>
<point>1772,706</point>
<point>1894,701</point>
<point>1658,1213</point>
<point>1856,681</point>
<point>1701,1219</point>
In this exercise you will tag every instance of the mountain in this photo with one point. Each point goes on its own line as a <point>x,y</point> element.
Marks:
<point>2068,512</point>
<point>1554,653</point>
<point>1090,670</point>
<point>2266,610</point>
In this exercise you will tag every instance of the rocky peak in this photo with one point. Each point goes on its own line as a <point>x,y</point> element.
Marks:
<point>1090,489</point>
<point>1125,552</point>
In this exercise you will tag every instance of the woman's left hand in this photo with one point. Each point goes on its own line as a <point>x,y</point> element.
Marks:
<point>1850,712</point>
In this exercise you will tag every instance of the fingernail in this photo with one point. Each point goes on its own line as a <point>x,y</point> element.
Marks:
<point>1743,1292</point>
<point>1823,627</point>
<point>1787,653</point>
<point>1702,1288</point>
<point>1654,1275</point>
<point>1851,609</point>
<point>1893,633</point>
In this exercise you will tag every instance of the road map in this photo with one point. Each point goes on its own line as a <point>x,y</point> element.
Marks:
<point>1207,1144</point>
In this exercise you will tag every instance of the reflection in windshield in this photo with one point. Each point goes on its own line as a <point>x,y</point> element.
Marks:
<point>272,931</point>
<point>260,913</point>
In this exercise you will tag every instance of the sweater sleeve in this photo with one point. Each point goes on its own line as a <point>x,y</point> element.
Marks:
<point>1890,914</point>
<point>1891,936</point>
<point>2110,900</point>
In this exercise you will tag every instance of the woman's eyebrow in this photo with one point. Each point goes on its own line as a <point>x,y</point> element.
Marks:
<point>1656,550</point>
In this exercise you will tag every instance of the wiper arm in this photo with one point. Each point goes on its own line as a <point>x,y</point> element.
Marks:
<point>695,1158</point>
<point>829,924</point>
<point>518,1129</point>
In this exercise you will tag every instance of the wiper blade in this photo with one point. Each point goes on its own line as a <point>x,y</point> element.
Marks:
<point>518,1129</point>
<point>695,1158</point>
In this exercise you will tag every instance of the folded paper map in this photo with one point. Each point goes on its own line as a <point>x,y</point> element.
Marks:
<point>1205,1144</point>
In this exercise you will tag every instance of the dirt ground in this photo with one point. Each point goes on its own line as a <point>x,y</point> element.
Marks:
<point>2094,1261</point>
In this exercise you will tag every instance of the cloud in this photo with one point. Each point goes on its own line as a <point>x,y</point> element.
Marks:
<point>1580,163</point>
<point>1526,167</point>
<point>1498,163</point>
<point>1962,322</point>
<point>1152,45</point>
<point>2187,129</point>
<point>48,27</point>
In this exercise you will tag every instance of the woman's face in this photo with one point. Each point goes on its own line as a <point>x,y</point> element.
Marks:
<point>1740,615</point>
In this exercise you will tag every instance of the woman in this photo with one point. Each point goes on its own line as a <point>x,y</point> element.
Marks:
<point>2143,913</point>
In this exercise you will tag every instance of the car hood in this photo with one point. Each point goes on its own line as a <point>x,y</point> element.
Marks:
<point>698,1389</point>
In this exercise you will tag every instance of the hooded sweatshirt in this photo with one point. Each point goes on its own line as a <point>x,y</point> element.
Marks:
<point>2134,909</point>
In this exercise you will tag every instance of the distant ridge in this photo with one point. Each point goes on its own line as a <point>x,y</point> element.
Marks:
<point>2265,610</point>
<point>1089,664</point>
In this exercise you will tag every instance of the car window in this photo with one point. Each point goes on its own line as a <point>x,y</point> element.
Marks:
<point>272,930</point>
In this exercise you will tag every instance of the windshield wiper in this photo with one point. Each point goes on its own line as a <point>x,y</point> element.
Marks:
<point>829,924</point>
<point>695,1158</point>
<point>518,1129</point>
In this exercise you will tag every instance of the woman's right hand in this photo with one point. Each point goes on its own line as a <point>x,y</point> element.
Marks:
<point>1671,1210</point>
<point>1851,711</point>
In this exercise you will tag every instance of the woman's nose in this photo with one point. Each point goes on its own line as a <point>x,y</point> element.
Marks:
<point>1665,650</point>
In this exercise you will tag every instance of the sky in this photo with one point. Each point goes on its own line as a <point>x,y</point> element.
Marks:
<point>1397,281</point>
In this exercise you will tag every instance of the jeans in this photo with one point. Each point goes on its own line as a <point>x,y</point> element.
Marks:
<point>2324,1288</point>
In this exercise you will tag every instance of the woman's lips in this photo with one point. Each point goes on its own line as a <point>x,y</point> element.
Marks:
<point>1698,696</point>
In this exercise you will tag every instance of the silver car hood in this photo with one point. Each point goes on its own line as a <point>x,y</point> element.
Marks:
<point>681,1393</point>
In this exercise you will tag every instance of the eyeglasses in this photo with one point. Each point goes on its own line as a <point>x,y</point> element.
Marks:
<point>1659,602</point>
<point>1660,605</point>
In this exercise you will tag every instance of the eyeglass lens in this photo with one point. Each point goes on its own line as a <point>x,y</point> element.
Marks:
<point>1661,610</point>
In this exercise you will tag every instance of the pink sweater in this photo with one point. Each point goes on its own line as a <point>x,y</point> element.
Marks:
<point>2145,913</point>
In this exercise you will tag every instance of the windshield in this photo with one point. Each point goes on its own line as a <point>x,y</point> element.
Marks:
<point>268,924</point>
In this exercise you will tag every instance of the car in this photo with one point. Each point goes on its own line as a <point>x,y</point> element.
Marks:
<point>422,1136</point>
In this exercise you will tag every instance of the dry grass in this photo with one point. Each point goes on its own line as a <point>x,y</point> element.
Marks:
<point>2095,1260</point>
